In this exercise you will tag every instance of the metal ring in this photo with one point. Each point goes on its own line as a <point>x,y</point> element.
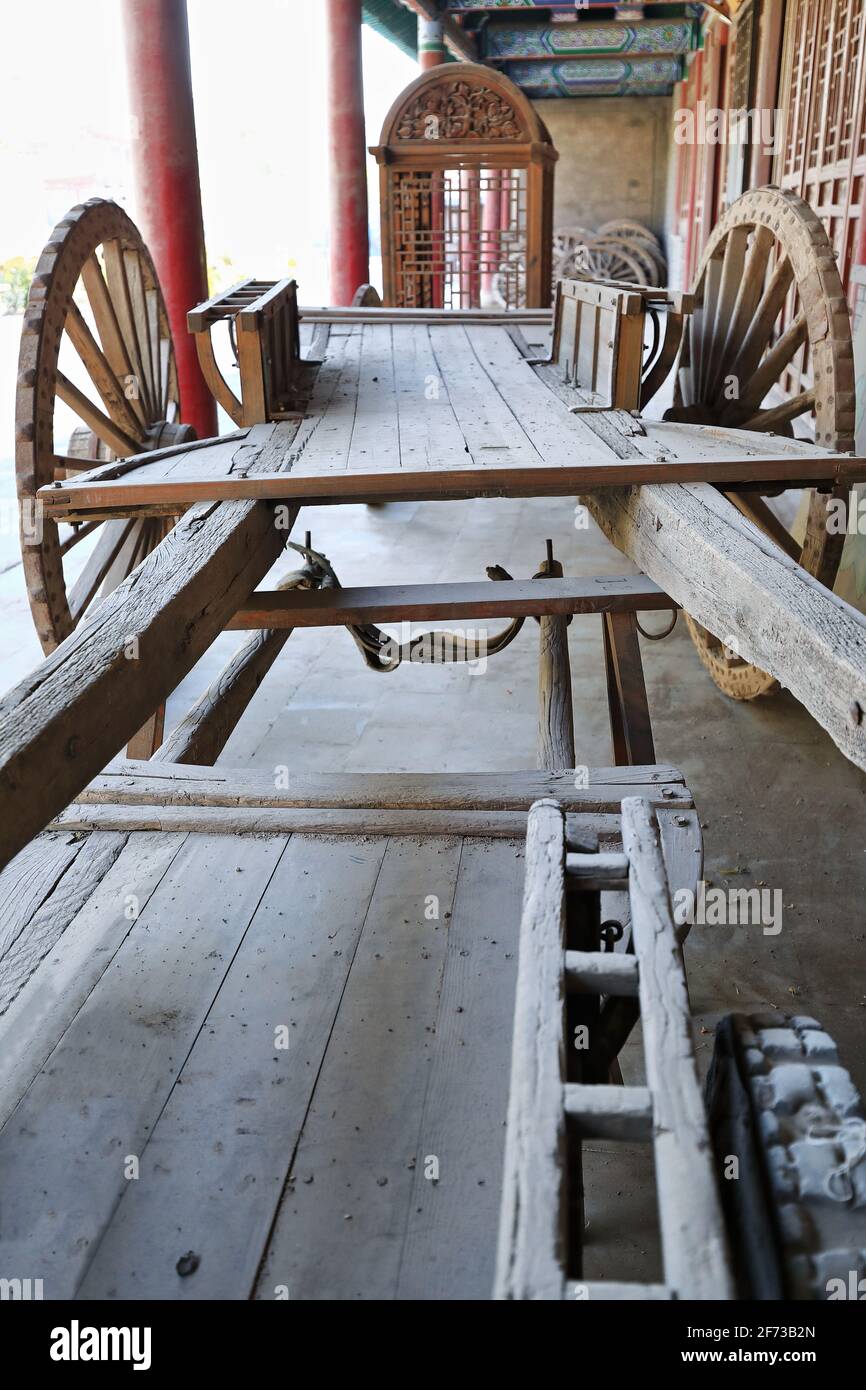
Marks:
<point>658,636</point>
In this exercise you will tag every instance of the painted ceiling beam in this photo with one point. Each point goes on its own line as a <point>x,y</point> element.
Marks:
<point>590,77</point>
<point>538,40</point>
<point>569,6</point>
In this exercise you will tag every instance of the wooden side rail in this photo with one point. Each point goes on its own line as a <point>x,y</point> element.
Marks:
<point>263,321</point>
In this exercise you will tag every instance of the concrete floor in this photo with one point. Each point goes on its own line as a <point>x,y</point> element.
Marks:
<point>780,805</point>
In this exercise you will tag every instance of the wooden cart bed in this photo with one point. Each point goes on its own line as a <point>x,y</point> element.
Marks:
<point>184,922</point>
<point>435,410</point>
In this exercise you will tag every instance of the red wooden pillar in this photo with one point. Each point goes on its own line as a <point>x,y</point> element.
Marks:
<point>350,242</point>
<point>167,180</point>
<point>431,42</point>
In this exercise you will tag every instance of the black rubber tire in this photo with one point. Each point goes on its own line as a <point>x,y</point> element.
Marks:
<point>780,1103</point>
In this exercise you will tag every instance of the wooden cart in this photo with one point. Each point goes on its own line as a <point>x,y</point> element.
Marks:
<point>248,1166</point>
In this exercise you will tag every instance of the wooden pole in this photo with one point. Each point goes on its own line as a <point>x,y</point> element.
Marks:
<point>167,180</point>
<point>431,42</point>
<point>350,242</point>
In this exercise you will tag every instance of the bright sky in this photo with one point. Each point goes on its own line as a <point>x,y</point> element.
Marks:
<point>259,81</point>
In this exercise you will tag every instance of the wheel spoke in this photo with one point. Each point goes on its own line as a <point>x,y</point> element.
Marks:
<point>117,439</point>
<point>100,373</point>
<point>712,286</point>
<point>749,294</point>
<point>118,286</point>
<point>152,305</point>
<point>78,535</point>
<point>733,268</point>
<point>141,320</point>
<point>760,330</point>
<point>115,535</point>
<point>772,367</point>
<point>108,328</point>
<point>782,414</point>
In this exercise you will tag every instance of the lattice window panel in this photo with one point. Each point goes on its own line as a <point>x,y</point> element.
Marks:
<point>823,157</point>
<point>460,238</point>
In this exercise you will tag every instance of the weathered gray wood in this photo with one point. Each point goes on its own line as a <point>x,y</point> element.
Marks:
<point>143,783</point>
<point>339,1233</point>
<point>214,1166</point>
<point>46,926</point>
<point>596,872</point>
<point>48,1001</point>
<point>449,1248</point>
<point>204,731</point>
<point>737,583</point>
<point>222,820</point>
<point>206,728</point>
<point>693,1238</point>
<point>29,879</point>
<point>600,972</point>
<point>390,603</point>
<point>532,1233</point>
<point>61,725</point>
<point>74,1127</point>
<point>609,1112</point>
<point>596,1291</point>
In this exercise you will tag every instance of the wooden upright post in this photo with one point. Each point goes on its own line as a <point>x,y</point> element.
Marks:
<point>431,42</point>
<point>167,180</point>
<point>350,242</point>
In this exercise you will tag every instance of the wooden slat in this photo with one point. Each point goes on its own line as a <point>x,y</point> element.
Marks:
<point>432,602</point>
<point>223,820</point>
<point>596,1291</point>
<point>532,1233</point>
<point>609,1112</point>
<point>365,1121</point>
<point>47,925</point>
<point>449,1250</point>
<point>134,784</point>
<point>77,497</point>
<point>693,1239</point>
<point>214,1166</point>
<point>135,1029</point>
<point>49,998</point>
<point>600,972</point>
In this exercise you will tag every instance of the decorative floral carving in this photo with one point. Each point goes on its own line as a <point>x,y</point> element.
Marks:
<point>459,111</point>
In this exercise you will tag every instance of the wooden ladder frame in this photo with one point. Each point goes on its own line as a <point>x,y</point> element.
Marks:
<point>551,1113</point>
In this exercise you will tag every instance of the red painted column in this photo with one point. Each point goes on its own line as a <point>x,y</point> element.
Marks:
<point>350,240</point>
<point>167,180</point>
<point>431,42</point>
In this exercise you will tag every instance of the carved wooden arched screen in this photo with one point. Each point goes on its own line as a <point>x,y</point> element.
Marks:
<point>466,186</point>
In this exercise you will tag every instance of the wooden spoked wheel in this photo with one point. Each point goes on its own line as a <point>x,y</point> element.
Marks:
<point>769,345</point>
<point>97,379</point>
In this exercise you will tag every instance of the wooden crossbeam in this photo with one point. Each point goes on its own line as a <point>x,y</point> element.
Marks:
<point>440,602</point>
<point>737,583</point>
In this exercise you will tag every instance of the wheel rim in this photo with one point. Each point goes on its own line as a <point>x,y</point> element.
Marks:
<point>96,343</point>
<point>768,302</point>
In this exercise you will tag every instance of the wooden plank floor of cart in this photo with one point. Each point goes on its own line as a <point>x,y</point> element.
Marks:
<point>438,410</point>
<point>240,1025</point>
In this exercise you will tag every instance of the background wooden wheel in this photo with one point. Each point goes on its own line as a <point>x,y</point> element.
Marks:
<point>97,379</point>
<point>770,313</point>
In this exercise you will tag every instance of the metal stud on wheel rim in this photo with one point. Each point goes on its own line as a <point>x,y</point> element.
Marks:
<point>95,308</point>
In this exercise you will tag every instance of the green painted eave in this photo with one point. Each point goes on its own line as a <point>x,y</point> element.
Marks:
<point>396,23</point>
